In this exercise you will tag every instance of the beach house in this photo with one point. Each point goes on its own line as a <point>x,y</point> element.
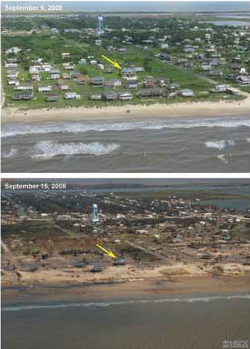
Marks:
<point>125,96</point>
<point>129,73</point>
<point>44,88</point>
<point>95,96</point>
<point>35,69</point>
<point>23,88</point>
<point>132,85</point>
<point>72,95</point>
<point>186,93</point>
<point>24,95</point>
<point>52,98</point>
<point>150,92</point>
<point>109,96</point>
<point>97,81</point>
<point>81,80</point>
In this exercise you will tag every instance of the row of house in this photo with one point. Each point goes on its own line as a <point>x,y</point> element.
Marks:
<point>106,96</point>
<point>146,92</point>
<point>12,71</point>
<point>24,95</point>
<point>101,82</point>
<point>111,96</point>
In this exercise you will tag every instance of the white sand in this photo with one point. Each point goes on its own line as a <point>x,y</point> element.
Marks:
<point>189,109</point>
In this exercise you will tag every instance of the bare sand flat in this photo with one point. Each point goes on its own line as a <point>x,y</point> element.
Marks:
<point>189,109</point>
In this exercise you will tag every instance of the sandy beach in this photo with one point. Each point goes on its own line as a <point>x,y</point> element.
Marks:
<point>199,109</point>
<point>177,279</point>
<point>134,288</point>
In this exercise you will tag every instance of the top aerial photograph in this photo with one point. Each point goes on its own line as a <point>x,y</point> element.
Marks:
<point>125,86</point>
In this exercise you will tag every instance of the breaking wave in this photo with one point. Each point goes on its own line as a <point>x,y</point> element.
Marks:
<point>9,155</point>
<point>219,144</point>
<point>125,302</point>
<point>82,127</point>
<point>50,149</point>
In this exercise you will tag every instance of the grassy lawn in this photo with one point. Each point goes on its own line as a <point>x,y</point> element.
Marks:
<point>50,49</point>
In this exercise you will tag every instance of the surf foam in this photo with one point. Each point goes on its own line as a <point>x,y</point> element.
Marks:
<point>219,144</point>
<point>125,302</point>
<point>83,127</point>
<point>50,149</point>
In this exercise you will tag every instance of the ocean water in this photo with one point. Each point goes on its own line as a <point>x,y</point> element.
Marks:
<point>192,322</point>
<point>239,23</point>
<point>159,145</point>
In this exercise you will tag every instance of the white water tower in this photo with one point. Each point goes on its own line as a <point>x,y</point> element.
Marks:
<point>94,216</point>
<point>100,29</point>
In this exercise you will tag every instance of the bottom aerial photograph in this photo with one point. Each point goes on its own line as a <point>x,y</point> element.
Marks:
<point>125,263</point>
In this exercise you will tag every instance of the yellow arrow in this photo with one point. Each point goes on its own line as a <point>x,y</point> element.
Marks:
<point>109,253</point>
<point>114,63</point>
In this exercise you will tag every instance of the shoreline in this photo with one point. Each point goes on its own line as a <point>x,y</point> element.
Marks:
<point>198,285</point>
<point>198,109</point>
